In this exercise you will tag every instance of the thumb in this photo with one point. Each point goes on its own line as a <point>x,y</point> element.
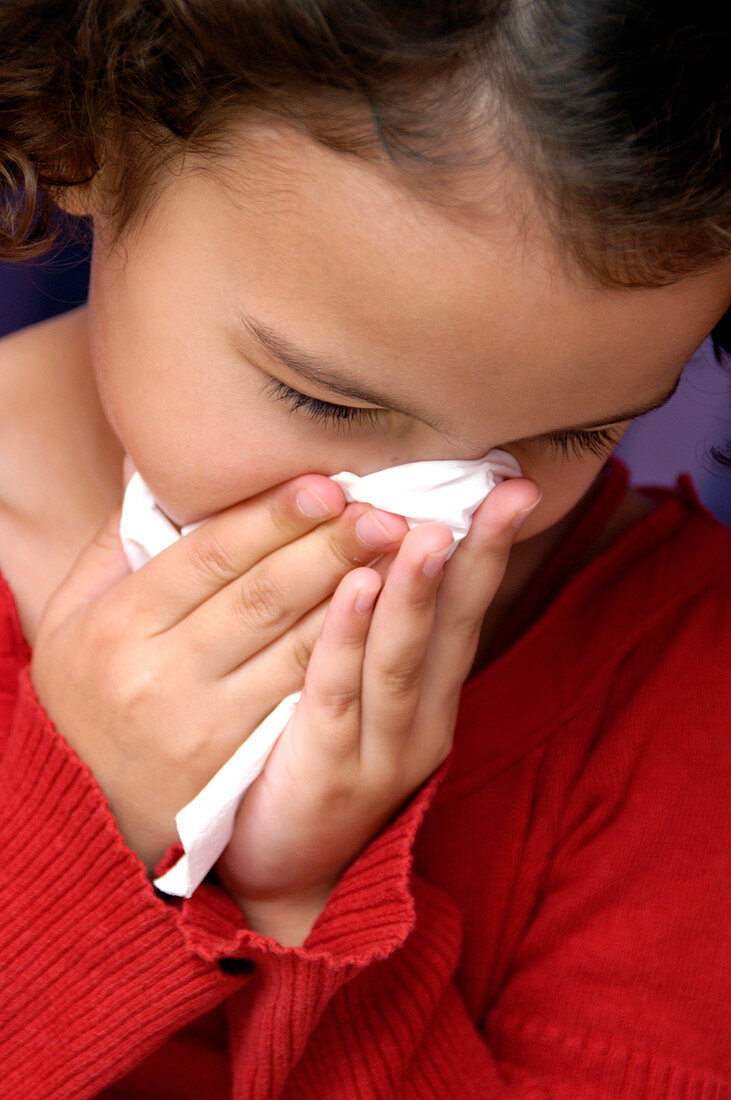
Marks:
<point>100,565</point>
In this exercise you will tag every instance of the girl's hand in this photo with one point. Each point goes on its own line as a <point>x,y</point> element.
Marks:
<point>376,717</point>
<point>155,678</point>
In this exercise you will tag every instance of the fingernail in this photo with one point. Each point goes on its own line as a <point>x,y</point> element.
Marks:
<point>377,528</point>
<point>312,505</point>
<point>433,562</point>
<point>520,517</point>
<point>365,599</point>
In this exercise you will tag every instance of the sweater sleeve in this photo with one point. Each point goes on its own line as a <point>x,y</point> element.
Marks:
<point>96,969</point>
<point>621,984</point>
<point>99,969</point>
<point>618,988</point>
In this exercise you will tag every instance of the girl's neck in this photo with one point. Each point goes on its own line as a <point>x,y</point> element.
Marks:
<point>60,463</point>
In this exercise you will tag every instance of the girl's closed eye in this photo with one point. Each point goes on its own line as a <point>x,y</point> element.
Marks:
<point>575,442</point>
<point>597,441</point>
<point>341,416</point>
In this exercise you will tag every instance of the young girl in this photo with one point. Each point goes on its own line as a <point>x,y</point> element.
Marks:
<point>486,858</point>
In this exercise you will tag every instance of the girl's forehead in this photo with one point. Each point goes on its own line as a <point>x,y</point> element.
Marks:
<point>352,268</point>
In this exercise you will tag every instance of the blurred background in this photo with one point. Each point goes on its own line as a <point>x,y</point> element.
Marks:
<point>657,448</point>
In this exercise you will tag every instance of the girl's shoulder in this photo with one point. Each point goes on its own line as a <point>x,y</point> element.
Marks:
<point>632,649</point>
<point>662,582</point>
<point>659,595</point>
<point>675,560</point>
<point>37,367</point>
<point>34,366</point>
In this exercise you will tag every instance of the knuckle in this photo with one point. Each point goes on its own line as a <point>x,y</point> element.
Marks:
<point>466,637</point>
<point>284,521</point>
<point>402,679</point>
<point>496,549</point>
<point>258,602</point>
<point>343,702</point>
<point>422,601</point>
<point>344,553</point>
<point>211,558</point>
<point>301,652</point>
<point>464,627</point>
<point>134,681</point>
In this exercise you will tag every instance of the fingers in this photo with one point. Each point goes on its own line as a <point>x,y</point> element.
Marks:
<point>397,645</point>
<point>471,580</point>
<point>281,667</point>
<point>332,688</point>
<point>253,611</point>
<point>229,544</point>
<point>371,685</point>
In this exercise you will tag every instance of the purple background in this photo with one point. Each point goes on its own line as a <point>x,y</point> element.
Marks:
<point>657,448</point>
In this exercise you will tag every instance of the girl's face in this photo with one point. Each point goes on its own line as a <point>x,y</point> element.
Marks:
<point>293,268</point>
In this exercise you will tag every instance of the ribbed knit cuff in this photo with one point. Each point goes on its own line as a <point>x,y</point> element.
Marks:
<point>368,917</point>
<point>93,961</point>
<point>369,914</point>
<point>372,910</point>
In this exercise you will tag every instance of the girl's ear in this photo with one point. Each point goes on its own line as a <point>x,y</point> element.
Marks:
<point>77,201</point>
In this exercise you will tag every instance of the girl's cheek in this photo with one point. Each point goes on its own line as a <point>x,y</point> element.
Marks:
<point>564,481</point>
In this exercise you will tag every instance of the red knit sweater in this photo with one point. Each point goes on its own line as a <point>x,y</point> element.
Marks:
<point>547,918</point>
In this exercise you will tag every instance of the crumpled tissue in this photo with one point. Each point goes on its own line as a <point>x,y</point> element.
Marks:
<point>447,491</point>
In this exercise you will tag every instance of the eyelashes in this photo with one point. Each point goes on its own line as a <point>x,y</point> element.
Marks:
<point>576,443</point>
<point>568,443</point>
<point>323,411</point>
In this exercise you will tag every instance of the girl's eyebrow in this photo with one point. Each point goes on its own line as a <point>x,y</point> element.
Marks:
<point>323,373</point>
<point>629,414</point>
<point>326,374</point>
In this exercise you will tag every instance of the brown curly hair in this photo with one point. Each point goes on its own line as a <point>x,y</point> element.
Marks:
<point>619,112</point>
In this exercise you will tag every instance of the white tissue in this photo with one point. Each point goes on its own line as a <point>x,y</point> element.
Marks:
<point>447,492</point>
